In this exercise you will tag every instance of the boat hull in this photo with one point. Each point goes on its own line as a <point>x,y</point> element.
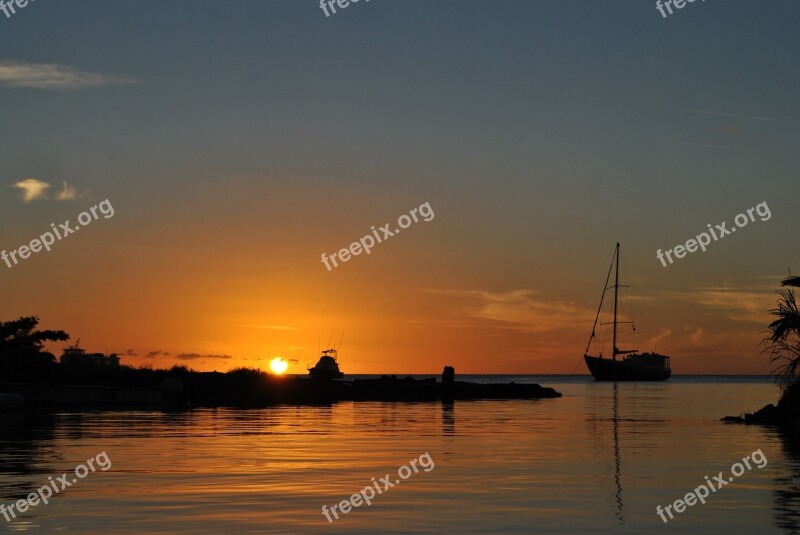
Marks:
<point>325,374</point>
<point>619,370</point>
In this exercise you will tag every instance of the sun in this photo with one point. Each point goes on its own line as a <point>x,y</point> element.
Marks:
<point>278,365</point>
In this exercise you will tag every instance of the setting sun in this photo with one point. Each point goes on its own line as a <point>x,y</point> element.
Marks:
<point>278,365</point>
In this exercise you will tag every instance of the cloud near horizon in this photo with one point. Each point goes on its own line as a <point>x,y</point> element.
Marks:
<point>270,327</point>
<point>740,305</point>
<point>50,76</point>
<point>520,309</point>
<point>196,356</point>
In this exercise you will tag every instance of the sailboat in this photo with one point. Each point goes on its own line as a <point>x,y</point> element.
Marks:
<point>633,366</point>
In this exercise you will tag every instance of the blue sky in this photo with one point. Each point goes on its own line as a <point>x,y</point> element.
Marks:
<point>245,138</point>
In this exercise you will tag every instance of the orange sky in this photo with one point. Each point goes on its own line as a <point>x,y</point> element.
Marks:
<point>412,306</point>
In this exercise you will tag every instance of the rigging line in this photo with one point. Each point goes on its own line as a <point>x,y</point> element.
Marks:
<point>576,369</point>
<point>605,286</point>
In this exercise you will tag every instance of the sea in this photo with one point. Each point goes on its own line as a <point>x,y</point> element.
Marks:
<point>604,458</point>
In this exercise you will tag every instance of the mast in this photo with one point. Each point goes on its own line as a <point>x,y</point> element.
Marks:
<point>606,287</point>
<point>616,290</point>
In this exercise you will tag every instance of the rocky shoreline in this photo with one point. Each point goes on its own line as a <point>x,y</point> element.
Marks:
<point>785,414</point>
<point>252,389</point>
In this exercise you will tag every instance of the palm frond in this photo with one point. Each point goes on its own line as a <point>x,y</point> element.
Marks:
<point>783,341</point>
<point>791,280</point>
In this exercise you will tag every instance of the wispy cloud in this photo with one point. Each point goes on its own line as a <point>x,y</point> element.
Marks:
<point>32,189</point>
<point>696,341</point>
<point>707,146</point>
<point>661,335</point>
<point>521,310</point>
<point>196,356</point>
<point>68,193</point>
<point>746,305</point>
<point>734,116</point>
<point>54,77</point>
<point>271,327</point>
<point>149,355</point>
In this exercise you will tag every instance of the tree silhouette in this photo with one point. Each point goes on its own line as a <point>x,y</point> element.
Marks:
<point>783,342</point>
<point>19,339</point>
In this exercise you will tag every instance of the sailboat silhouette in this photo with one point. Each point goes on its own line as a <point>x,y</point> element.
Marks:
<point>633,366</point>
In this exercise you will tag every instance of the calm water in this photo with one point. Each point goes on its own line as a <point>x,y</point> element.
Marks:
<point>598,460</point>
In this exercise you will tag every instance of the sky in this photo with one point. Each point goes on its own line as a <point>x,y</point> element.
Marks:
<point>238,142</point>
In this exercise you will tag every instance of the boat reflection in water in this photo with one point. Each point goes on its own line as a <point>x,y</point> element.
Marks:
<point>617,462</point>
